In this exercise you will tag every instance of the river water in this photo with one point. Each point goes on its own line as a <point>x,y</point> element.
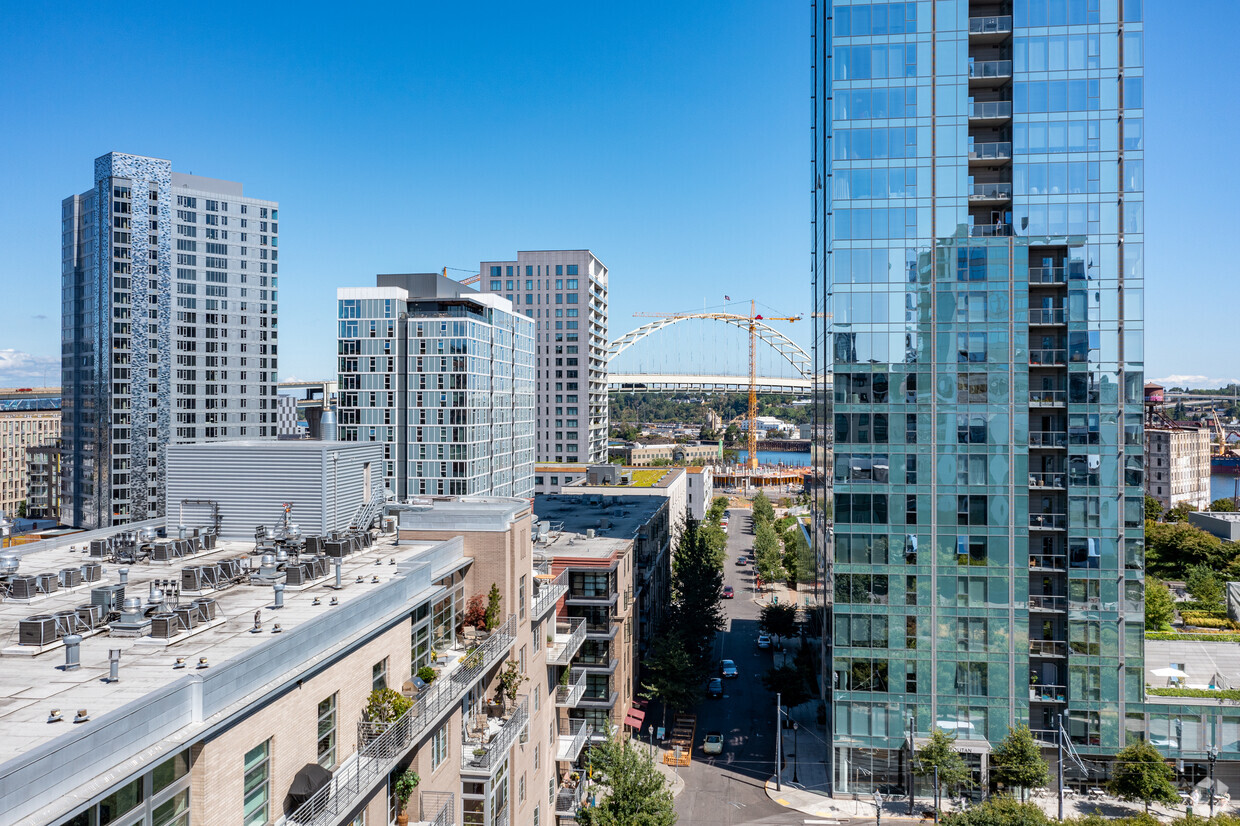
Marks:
<point>1222,485</point>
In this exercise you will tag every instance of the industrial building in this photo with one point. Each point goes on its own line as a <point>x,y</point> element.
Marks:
<point>564,292</point>
<point>442,377</point>
<point>170,311</point>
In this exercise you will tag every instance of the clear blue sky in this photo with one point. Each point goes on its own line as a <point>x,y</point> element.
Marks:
<point>670,138</point>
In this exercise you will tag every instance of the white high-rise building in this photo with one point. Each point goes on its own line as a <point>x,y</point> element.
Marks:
<point>169,329</point>
<point>564,292</point>
<point>443,377</point>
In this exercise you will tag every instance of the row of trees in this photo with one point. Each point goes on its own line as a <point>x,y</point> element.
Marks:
<point>779,547</point>
<point>656,407</point>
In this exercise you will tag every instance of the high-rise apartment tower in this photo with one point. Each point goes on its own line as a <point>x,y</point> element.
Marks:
<point>168,329</point>
<point>565,293</point>
<point>443,376</point>
<point>978,236</point>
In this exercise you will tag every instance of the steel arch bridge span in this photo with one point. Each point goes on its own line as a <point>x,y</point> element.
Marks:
<point>786,347</point>
<point>665,383</point>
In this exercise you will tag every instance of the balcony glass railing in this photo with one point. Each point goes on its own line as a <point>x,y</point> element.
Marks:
<point>1048,275</point>
<point>1049,521</point>
<point>990,68</point>
<point>1048,357</point>
<point>1048,693</point>
<point>990,109</point>
<point>1047,480</point>
<point>991,192</point>
<point>990,25</point>
<point>993,151</point>
<point>1047,438</point>
<point>1048,648</point>
<point>1044,397</point>
<point>1052,315</point>
<point>990,230</point>
<point>1046,602</point>
<point>1053,562</point>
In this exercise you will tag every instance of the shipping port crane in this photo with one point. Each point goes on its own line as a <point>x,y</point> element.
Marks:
<point>750,321</point>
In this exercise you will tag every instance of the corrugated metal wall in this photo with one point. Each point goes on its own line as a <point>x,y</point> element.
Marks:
<point>251,481</point>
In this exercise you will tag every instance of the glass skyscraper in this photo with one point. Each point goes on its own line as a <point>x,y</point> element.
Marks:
<point>978,235</point>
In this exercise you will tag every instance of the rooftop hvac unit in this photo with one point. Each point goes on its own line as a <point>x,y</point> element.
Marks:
<point>37,630</point>
<point>208,541</point>
<point>91,615</point>
<point>165,551</point>
<point>336,548</point>
<point>132,622</point>
<point>186,547</point>
<point>206,609</point>
<point>23,587</point>
<point>187,615</point>
<point>314,544</point>
<point>319,566</point>
<point>297,574</point>
<point>108,597</point>
<point>165,626</point>
<point>192,578</point>
<point>47,583</point>
<point>230,568</point>
<point>68,622</point>
<point>70,577</point>
<point>91,572</point>
<point>100,548</point>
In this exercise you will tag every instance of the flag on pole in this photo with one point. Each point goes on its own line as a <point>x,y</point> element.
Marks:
<point>727,298</point>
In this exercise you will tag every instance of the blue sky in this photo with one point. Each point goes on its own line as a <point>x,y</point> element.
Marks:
<point>670,138</point>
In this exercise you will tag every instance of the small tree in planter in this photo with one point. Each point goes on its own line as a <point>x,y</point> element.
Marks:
<point>510,680</point>
<point>386,706</point>
<point>403,789</point>
<point>427,674</point>
<point>492,616</point>
<point>475,612</point>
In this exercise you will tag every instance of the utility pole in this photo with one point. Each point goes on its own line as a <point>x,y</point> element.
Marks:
<point>912,755</point>
<point>779,746</point>
<point>1059,741</point>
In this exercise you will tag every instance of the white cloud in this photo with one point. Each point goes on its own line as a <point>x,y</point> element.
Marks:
<point>1194,382</point>
<point>18,368</point>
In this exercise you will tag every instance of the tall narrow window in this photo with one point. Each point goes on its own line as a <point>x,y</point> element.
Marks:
<point>257,789</point>
<point>378,675</point>
<point>327,733</point>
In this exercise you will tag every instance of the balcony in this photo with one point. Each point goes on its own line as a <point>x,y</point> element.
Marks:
<point>437,808</point>
<point>990,110</point>
<point>989,29</point>
<point>990,193</point>
<point>1048,480</point>
<point>1048,358</point>
<point>384,745</point>
<point>486,749</point>
<point>1048,693</point>
<point>592,598</point>
<point>1048,275</point>
<point>990,154</point>
<point>990,230</point>
<point>599,701</point>
<point>568,799</point>
<point>989,73</point>
<point>549,593</point>
<point>1048,398</point>
<point>1048,439</point>
<point>1047,603</point>
<point>570,633</point>
<point>569,694</point>
<point>573,735</point>
<point>1048,521</point>
<point>1048,648</point>
<point>1052,315</point>
<point>1048,562</point>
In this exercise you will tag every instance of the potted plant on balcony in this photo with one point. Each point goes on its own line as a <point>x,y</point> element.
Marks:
<point>427,674</point>
<point>383,708</point>
<point>510,680</point>
<point>404,787</point>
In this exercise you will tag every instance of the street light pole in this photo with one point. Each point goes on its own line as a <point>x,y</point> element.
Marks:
<point>1059,745</point>
<point>795,726</point>
<point>878,809</point>
<point>779,745</point>
<point>1213,755</point>
<point>912,754</point>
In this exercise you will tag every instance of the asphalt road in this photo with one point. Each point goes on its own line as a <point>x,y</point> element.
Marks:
<point>729,788</point>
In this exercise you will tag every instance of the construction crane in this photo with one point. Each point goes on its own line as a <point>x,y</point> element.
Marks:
<point>750,321</point>
<point>473,279</point>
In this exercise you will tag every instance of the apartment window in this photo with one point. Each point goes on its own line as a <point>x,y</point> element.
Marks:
<point>327,732</point>
<point>257,789</point>
<point>378,675</point>
<point>521,599</point>
<point>439,746</point>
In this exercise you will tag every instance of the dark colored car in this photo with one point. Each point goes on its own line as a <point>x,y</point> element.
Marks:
<point>728,669</point>
<point>715,687</point>
<point>742,560</point>
<point>728,593</point>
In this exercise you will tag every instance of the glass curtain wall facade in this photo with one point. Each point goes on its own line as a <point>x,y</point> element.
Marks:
<point>978,275</point>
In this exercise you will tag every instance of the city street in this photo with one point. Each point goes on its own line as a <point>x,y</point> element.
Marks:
<point>729,788</point>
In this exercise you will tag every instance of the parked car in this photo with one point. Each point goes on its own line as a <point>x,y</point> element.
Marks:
<point>727,668</point>
<point>742,560</point>
<point>728,593</point>
<point>713,744</point>
<point>764,640</point>
<point>715,687</point>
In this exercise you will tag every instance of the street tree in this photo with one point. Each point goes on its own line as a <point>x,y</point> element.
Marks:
<point>1159,606</point>
<point>940,753</point>
<point>1154,508</point>
<point>797,559</point>
<point>763,511</point>
<point>1206,586</point>
<point>636,793</point>
<point>670,675</point>
<point>1141,773</point>
<point>1018,761</point>
<point>789,682</point>
<point>1226,505</point>
<point>779,619</point>
<point>697,585</point>
<point>766,551</point>
<point>1171,547</point>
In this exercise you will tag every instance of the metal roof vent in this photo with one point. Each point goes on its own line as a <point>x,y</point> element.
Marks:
<point>9,563</point>
<point>73,652</point>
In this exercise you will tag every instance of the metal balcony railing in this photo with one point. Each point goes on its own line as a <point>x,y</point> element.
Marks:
<point>990,109</point>
<point>1048,648</point>
<point>1047,438</point>
<point>1045,602</point>
<point>990,192</point>
<point>1049,521</point>
<point>990,25</point>
<point>990,68</point>
<point>1055,397</point>
<point>573,735</point>
<point>569,694</point>
<point>568,799</point>
<point>549,593</point>
<point>1048,275</point>
<point>570,633</point>
<point>494,752</point>
<point>383,745</point>
<point>1046,736</point>
<point>990,230</point>
<point>1048,358</point>
<point>1048,562</point>
<point>1052,315</point>
<point>1048,480</point>
<point>437,808</point>
<point>1040,693</point>
<point>594,598</point>
<point>998,150</point>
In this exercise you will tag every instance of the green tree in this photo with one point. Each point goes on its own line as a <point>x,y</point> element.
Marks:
<point>763,512</point>
<point>697,585</point>
<point>716,541</point>
<point>21,509</point>
<point>1154,508</point>
<point>940,753</point>
<point>670,675</point>
<point>636,792</point>
<point>1159,606</point>
<point>1141,773</point>
<point>492,615</point>
<point>1180,512</point>
<point>1205,586</point>
<point>1227,505</point>
<point>1171,547</point>
<point>732,434</point>
<point>766,552</point>
<point>778,620</point>
<point>798,562</point>
<point>1018,761</point>
<point>999,811</point>
<point>789,682</point>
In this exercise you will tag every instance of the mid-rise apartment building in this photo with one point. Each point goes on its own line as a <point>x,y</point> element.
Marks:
<point>564,292</point>
<point>978,273</point>
<point>1177,457</point>
<point>169,322</point>
<point>442,376</point>
<point>28,419</point>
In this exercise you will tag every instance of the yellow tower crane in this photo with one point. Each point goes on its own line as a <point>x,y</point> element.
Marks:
<point>751,321</point>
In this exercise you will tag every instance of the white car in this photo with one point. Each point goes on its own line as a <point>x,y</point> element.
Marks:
<point>713,744</point>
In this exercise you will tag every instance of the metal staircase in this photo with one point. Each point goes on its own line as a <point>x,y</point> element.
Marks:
<point>367,513</point>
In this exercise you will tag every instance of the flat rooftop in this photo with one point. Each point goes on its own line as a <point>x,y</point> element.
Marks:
<point>33,684</point>
<point>615,521</point>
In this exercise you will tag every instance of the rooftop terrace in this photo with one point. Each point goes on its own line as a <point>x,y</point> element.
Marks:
<point>615,521</point>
